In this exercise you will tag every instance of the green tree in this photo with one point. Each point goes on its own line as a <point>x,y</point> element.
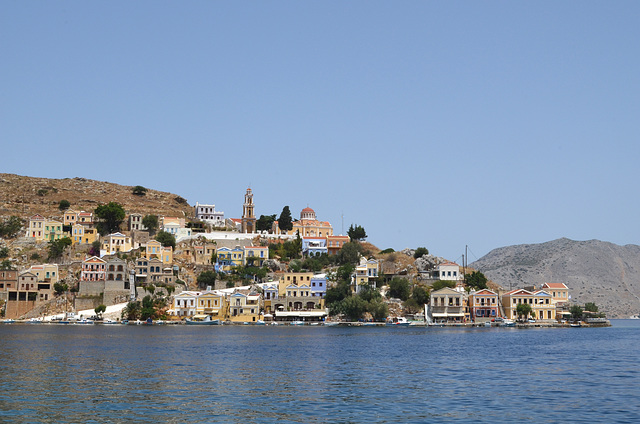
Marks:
<point>576,312</point>
<point>64,205</point>
<point>139,191</point>
<point>476,280</point>
<point>356,233</point>
<point>207,278</point>
<point>148,308</point>
<point>399,288</point>
<point>285,222</point>
<point>7,265</point>
<point>4,252</point>
<point>57,247</point>
<point>440,284</point>
<point>131,311</point>
<point>420,295</point>
<point>337,293</point>
<point>265,222</point>
<point>166,239</point>
<point>151,223</point>
<point>590,307</point>
<point>353,307</point>
<point>411,306</point>
<point>60,288</point>
<point>523,310</point>
<point>420,252</point>
<point>99,310</point>
<point>110,217</point>
<point>349,254</point>
<point>10,227</point>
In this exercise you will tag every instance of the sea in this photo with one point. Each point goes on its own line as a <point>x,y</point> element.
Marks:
<point>307,374</point>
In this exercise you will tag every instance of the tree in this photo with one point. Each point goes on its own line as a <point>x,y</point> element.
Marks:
<point>99,310</point>
<point>523,310</point>
<point>357,233</point>
<point>60,288</point>
<point>440,284</point>
<point>10,228</point>
<point>111,216</point>
<point>421,295</point>
<point>7,265</point>
<point>349,254</point>
<point>338,293</point>
<point>151,223</point>
<point>590,307</point>
<point>148,310</point>
<point>420,252</point>
<point>139,191</point>
<point>207,279</point>
<point>399,288</point>
<point>95,248</point>
<point>131,311</point>
<point>476,280</point>
<point>4,252</point>
<point>265,222</point>
<point>576,312</point>
<point>166,239</point>
<point>353,307</point>
<point>64,205</point>
<point>285,222</point>
<point>56,247</point>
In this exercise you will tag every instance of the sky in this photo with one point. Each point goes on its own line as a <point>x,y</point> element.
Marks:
<point>441,124</point>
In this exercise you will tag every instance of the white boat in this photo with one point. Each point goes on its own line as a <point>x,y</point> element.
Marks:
<point>85,321</point>
<point>260,322</point>
<point>110,321</point>
<point>398,321</point>
<point>202,320</point>
<point>297,322</point>
<point>8,321</point>
<point>508,323</point>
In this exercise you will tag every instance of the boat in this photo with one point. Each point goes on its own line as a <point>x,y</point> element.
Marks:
<point>260,322</point>
<point>8,321</point>
<point>109,321</point>
<point>508,323</point>
<point>398,322</point>
<point>297,322</point>
<point>202,320</point>
<point>84,321</point>
<point>124,322</point>
<point>575,325</point>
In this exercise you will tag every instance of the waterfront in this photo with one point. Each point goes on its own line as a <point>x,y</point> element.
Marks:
<point>316,375</point>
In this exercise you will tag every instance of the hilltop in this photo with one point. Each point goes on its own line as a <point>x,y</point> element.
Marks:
<point>595,271</point>
<point>27,196</point>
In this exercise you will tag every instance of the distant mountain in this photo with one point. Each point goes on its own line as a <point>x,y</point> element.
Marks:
<point>594,271</point>
<point>27,196</point>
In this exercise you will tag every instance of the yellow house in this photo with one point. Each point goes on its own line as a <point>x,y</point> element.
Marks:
<point>154,249</point>
<point>70,217</point>
<point>541,302</point>
<point>36,227</point>
<point>116,242</point>
<point>228,258</point>
<point>53,230</point>
<point>293,278</point>
<point>212,304</point>
<point>244,308</point>
<point>365,274</point>
<point>82,234</point>
<point>558,291</point>
<point>255,255</point>
<point>45,272</point>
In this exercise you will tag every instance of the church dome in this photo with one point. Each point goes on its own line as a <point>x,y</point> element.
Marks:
<point>307,213</point>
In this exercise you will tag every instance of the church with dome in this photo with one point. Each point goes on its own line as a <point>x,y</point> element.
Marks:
<point>308,225</point>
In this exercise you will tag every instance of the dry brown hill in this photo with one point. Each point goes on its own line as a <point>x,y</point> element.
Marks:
<point>27,196</point>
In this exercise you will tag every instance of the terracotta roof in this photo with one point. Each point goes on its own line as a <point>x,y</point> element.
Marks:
<point>308,209</point>
<point>555,285</point>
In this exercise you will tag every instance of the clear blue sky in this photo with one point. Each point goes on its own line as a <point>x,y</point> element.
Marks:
<point>430,123</point>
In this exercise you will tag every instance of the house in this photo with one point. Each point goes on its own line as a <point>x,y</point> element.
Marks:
<point>93,269</point>
<point>448,271</point>
<point>115,243</point>
<point>255,255</point>
<point>70,217</point>
<point>36,227</point>
<point>174,228</point>
<point>271,298</point>
<point>365,274</point>
<point>335,243</point>
<point>184,304</point>
<point>154,249</point>
<point>244,307</point>
<point>559,292</point>
<point>228,257</point>
<point>211,303</point>
<point>483,305</point>
<point>8,281</point>
<point>301,298</point>
<point>318,286</point>
<point>85,218</point>
<point>544,308</point>
<point>314,246</point>
<point>512,299</point>
<point>28,294</point>
<point>83,234</point>
<point>43,229</point>
<point>295,278</point>
<point>135,222</point>
<point>447,305</point>
<point>45,272</point>
<point>208,214</point>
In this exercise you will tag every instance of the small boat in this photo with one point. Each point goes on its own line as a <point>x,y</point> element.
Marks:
<point>331,323</point>
<point>109,321</point>
<point>398,322</point>
<point>575,325</point>
<point>260,322</point>
<point>8,321</point>
<point>297,322</point>
<point>124,322</point>
<point>200,320</point>
<point>487,324</point>
<point>84,321</point>
<point>508,323</point>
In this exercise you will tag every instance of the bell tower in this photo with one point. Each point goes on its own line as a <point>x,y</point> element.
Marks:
<point>248,216</point>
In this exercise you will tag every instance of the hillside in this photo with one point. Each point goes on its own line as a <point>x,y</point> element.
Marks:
<point>26,196</point>
<point>594,271</point>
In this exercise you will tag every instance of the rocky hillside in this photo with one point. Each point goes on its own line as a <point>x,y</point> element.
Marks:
<point>26,196</point>
<point>594,271</point>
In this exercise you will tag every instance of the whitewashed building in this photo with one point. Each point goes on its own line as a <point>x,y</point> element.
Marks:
<point>208,214</point>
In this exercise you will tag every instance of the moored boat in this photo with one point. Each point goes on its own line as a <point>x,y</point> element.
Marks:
<point>202,320</point>
<point>398,322</point>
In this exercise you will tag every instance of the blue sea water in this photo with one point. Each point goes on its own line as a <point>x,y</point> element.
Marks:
<point>248,374</point>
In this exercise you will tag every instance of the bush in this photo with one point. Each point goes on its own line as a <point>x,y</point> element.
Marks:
<point>420,252</point>
<point>399,288</point>
<point>139,191</point>
<point>389,250</point>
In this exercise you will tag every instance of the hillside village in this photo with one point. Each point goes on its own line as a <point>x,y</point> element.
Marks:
<point>203,265</point>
